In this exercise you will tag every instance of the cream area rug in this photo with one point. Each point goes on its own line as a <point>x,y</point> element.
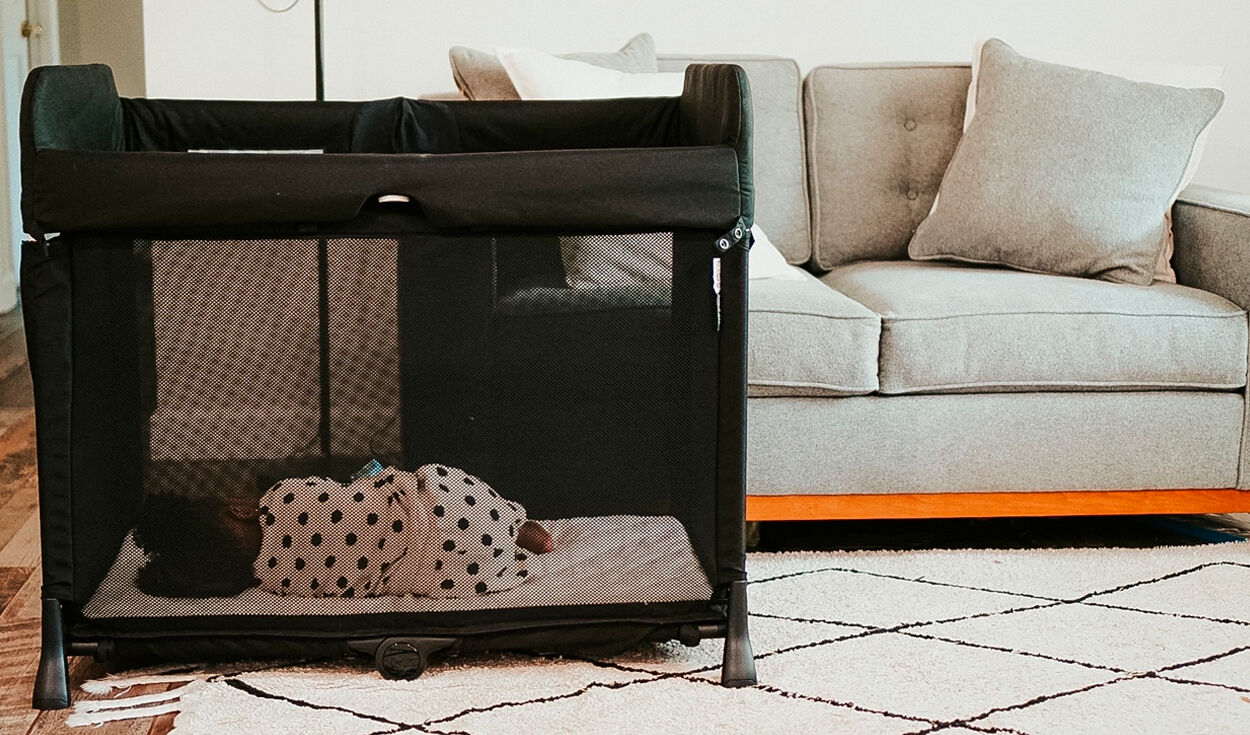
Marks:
<point>953,642</point>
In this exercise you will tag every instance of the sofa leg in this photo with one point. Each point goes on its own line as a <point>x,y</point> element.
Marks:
<point>52,679</point>
<point>738,667</point>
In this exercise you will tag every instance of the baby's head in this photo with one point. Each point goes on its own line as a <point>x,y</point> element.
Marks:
<point>201,547</point>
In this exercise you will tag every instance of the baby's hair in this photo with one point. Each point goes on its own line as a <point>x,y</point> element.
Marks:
<point>190,552</point>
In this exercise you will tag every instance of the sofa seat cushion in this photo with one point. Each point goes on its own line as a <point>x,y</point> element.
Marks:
<point>949,328</point>
<point>807,339</point>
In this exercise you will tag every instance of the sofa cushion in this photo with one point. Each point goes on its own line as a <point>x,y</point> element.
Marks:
<point>949,328</point>
<point>778,165</point>
<point>993,442</point>
<point>1177,75</point>
<point>878,140</point>
<point>1043,182</point>
<point>807,339</point>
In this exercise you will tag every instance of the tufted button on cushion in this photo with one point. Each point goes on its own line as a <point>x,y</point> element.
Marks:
<point>912,194</point>
<point>909,124</point>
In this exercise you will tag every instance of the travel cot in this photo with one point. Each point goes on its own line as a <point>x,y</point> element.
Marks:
<point>220,296</point>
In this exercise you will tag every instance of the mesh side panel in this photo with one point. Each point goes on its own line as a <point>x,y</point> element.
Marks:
<point>587,371</point>
<point>364,351</point>
<point>235,361</point>
<point>564,381</point>
<point>236,357</point>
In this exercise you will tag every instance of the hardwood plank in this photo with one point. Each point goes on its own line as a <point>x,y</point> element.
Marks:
<point>17,448</point>
<point>11,580</point>
<point>27,603</point>
<point>16,389</point>
<point>18,440</point>
<point>10,322</point>
<point>15,513</point>
<point>992,505</point>
<point>22,550</point>
<point>19,501</point>
<point>12,352</point>
<point>165,723</point>
<point>18,721</point>
<point>10,416</point>
<point>16,509</point>
<point>19,659</point>
<point>20,580</point>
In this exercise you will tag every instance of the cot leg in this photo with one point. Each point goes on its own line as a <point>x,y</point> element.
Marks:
<point>738,667</point>
<point>52,680</point>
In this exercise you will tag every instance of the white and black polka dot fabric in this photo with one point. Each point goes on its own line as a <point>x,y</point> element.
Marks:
<point>438,532</point>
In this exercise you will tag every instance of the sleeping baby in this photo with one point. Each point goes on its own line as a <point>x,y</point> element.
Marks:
<point>435,532</point>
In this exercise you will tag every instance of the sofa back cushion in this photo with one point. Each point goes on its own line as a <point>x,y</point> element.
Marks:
<point>879,138</point>
<point>779,169</point>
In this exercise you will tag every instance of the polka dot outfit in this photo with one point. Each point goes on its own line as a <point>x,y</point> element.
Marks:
<point>437,532</point>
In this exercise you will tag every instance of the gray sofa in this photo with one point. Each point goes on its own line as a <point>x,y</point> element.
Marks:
<point>892,381</point>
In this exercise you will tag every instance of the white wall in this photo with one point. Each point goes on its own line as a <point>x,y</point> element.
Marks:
<point>219,49</point>
<point>379,48</point>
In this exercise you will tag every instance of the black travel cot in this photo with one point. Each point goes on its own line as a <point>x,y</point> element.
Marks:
<point>219,295</point>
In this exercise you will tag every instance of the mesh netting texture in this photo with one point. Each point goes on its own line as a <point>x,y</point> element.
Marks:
<point>420,423</point>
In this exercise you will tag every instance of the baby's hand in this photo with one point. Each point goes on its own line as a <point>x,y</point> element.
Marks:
<point>534,538</point>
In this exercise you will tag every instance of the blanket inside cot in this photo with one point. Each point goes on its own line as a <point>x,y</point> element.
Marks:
<point>597,560</point>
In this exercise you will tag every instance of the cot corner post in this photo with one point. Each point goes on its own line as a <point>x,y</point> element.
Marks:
<point>52,679</point>
<point>738,666</point>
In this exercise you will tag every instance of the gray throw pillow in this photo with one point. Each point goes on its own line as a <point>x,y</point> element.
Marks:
<point>1064,170</point>
<point>480,76</point>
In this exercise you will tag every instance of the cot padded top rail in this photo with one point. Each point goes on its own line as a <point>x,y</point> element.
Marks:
<point>92,161</point>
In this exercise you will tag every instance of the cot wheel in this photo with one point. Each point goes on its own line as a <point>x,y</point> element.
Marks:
<point>400,659</point>
<point>408,658</point>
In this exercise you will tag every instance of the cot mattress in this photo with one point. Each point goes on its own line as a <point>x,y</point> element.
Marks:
<point>597,560</point>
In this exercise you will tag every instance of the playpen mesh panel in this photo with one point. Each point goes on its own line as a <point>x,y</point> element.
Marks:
<point>574,375</point>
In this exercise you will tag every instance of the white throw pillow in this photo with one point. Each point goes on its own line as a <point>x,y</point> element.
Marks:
<point>768,262</point>
<point>540,76</point>
<point>1173,75</point>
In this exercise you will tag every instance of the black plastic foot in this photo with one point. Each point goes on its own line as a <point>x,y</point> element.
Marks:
<point>738,667</point>
<point>52,680</point>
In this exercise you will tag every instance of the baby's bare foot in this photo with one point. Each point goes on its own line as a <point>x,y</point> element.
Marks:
<point>534,538</point>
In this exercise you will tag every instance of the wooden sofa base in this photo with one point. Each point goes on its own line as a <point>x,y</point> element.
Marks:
<point>992,505</point>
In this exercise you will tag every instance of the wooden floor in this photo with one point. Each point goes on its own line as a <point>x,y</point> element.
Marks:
<point>19,562</point>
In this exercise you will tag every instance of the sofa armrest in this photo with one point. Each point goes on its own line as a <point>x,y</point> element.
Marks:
<point>1211,230</point>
